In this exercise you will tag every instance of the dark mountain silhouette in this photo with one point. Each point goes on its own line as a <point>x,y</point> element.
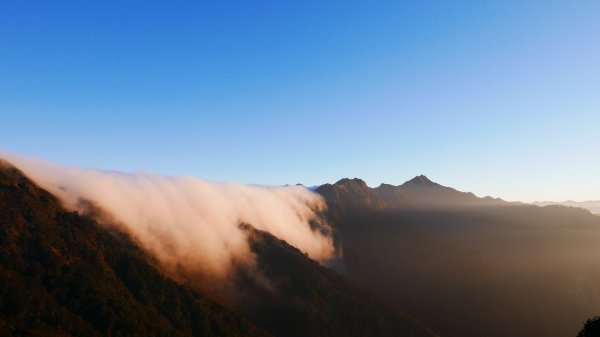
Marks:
<point>469,266</point>
<point>591,328</point>
<point>353,195</point>
<point>304,298</point>
<point>591,205</point>
<point>63,274</point>
<point>422,192</point>
<point>466,266</point>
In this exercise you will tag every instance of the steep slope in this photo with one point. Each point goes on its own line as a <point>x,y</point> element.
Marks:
<point>591,328</point>
<point>64,275</point>
<point>477,267</point>
<point>294,296</point>
<point>350,195</point>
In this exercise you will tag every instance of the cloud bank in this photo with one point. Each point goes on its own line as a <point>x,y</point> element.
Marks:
<point>184,221</point>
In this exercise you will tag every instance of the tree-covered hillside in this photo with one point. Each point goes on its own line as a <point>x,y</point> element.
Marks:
<point>64,274</point>
<point>61,274</point>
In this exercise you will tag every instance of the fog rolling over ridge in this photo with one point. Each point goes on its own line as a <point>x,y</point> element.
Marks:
<point>462,265</point>
<point>184,221</point>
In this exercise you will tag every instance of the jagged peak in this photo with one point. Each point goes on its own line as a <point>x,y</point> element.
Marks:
<point>420,180</point>
<point>385,186</point>
<point>354,181</point>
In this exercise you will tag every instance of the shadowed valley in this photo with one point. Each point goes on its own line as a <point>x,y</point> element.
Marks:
<point>469,266</point>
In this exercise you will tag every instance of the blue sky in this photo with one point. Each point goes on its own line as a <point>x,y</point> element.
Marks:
<point>498,98</point>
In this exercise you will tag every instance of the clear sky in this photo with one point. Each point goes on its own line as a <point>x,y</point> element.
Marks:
<point>494,97</point>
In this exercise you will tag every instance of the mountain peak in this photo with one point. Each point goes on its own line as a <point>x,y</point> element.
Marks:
<point>420,180</point>
<point>348,181</point>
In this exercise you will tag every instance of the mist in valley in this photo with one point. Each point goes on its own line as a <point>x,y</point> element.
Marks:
<point>506,270</point>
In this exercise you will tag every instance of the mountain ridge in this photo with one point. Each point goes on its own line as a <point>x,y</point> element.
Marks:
<point>469,266</point>
<point>76,277</point>
<point>418,192</point>
<point>63,274</point>
<point>591,205</point>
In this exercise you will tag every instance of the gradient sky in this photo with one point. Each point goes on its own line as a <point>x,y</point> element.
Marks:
<point>499,98</point>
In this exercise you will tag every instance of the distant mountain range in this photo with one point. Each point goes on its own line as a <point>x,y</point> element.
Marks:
<point>412,259</point>
<point>417,193</point>
<point>64,274</point>
<point>591,205</point>
<point>469,266</point>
